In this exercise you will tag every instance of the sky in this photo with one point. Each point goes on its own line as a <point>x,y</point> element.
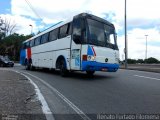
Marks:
<point>143,18</point>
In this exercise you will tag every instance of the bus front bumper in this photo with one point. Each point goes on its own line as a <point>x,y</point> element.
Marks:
<point>96,66</point>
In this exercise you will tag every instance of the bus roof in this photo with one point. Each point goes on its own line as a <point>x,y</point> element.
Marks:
<point>94,17</point>
<point>61,23</point>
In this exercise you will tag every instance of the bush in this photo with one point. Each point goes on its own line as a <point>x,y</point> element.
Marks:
<point>131,61</point>
<point>151,60</point>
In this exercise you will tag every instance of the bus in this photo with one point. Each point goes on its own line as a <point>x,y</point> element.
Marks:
<point>83,43</point>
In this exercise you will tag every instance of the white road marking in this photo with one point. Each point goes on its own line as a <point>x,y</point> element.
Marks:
<point>147,77</point>
<point>45,108</point>
<point>74,107</point>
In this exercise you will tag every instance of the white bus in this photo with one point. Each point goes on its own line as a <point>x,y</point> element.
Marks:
<point>83,43</point>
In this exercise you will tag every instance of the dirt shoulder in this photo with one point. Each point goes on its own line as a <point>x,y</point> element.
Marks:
<point>18,98</point>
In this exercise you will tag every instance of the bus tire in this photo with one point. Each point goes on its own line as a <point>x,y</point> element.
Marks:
<point>90,73</point>
<point>63,70</point>
<point>26,64</point>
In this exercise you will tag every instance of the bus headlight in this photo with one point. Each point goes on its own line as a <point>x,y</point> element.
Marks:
<point>91,58</point>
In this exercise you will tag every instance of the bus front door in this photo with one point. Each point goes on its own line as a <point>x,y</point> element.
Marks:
<point>75,56</point>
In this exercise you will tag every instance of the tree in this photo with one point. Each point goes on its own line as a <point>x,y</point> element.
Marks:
<point>140,61</point>
<point>2,35</point>
<point>12,44</point>
<point>131,61</point>
<point>1,29</point>
<point>7,27</point>
<point>151,60</point>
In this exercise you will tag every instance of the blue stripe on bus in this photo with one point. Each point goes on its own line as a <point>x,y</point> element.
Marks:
<point>90,51</point>
<point>96,66</point>
<point>22,56</point>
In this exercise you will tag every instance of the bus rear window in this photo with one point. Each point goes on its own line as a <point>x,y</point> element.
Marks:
<point>28,44</point>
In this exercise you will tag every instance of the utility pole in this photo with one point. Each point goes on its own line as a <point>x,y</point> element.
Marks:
<point>146,47</point>
<point>125,24</point>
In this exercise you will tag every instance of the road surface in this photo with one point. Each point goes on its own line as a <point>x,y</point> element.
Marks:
<point>80,97</point>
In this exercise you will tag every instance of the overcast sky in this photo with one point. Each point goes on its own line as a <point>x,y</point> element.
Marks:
<point>143,18</point>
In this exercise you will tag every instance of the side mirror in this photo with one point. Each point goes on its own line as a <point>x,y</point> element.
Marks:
<point>77,39</point>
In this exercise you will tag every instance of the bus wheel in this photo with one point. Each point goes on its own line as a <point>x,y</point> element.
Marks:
<point>26,64</point>
<point>63,70</point>
<point>90,73</point>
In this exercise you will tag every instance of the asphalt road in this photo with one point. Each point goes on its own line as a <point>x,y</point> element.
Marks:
<point>123,92</point>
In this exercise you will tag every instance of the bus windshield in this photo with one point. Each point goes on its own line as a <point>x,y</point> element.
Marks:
<point>101,34</point>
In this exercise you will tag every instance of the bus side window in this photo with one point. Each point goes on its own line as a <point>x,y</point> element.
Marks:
<point>44,38</point>
<point>53,34</point>
<point>28,44</point>
<point>32,43</point>
<point>64,31</point>
<point>37,40</point>
<point>77,27</point>
<point>78,30</point>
